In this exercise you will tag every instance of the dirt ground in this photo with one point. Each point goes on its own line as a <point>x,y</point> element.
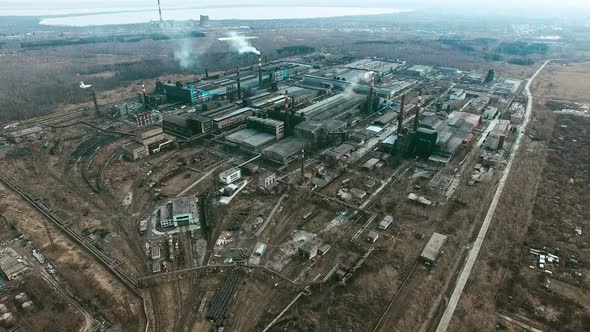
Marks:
<point>540,208</point>
<point>564,82</point>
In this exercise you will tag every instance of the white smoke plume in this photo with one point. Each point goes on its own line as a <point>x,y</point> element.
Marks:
<point>240,43</point>
<point>187,51</point>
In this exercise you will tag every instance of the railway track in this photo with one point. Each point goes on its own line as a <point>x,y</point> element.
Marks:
<point>112,265</point>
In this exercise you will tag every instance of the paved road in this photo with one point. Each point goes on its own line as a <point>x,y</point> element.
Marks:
<point>474,252</point>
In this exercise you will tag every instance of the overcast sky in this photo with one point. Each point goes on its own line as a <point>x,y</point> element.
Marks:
<point>550,8</point>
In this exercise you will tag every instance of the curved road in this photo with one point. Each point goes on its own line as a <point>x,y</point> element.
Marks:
<point>474,252</point>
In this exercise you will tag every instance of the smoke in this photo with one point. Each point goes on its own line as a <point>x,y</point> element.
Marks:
<point>187,51</point>
<point>240,43</point>
<point>354,83</point>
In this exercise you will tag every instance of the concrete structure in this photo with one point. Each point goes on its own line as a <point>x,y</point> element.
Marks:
<point>517,111</point>
<point>496,138</point>
<point>231,118</point>
<point>452,133</point>
<point>251,139</point>
<point>506,87</point>
<point>335,107</point>
<point>204,21</point>
<point>156,253</point>
<point>380,67</point>
<point>340,152</point>
<point>149,136</point>
<point>386,222</point>
<point>370,164</point>
<point>457,94</point>
<point>419,71</point>
<point>274,127</point>
<point>309,249</point>
<point>230,176</point>
<point>317,133</point>
<point>474,78</point>
<point>177,91</point>
<point>187,125</point>
<point>27,134</point>
<point>10,265</point>
<point>179,211</point>
<point>284,151</point>
<point>135,151</point>
<point>372,236</point>
<point>433,248</point>
<point>267,180</point>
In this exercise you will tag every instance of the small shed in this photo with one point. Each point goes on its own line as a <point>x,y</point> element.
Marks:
<point>372,236</point>
<point>386,222</point>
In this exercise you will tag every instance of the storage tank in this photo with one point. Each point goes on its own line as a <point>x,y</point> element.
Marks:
<point>28,306</point>
<point>7,320</point>
<point>21,298</point>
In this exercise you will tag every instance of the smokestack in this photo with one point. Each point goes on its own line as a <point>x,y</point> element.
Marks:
<point>239,87</point>
<point>287,101</point>
<point>259,71</point>
<point>417,118</point>
<point>145,106</point>
<point>371,91</point>
<point>94,98</point>
<point>160,10</point>
<point>400,118</point>
<point>302,165</point>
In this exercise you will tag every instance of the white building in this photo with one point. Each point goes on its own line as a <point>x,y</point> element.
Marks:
<point>230,176</point>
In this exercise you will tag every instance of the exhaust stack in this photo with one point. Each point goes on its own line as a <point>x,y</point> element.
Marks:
<point>160,11</point>
<point>417,118</point>
<point>239,87</point>
<point>400,118</point>
<point>287,101</point>
<point>259,71</point>
<point>371,92</point>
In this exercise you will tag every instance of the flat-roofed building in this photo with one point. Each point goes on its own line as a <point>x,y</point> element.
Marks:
<point>10,265</point>
<point>179,211</point>
<point>419,70</point>
<point>433,248</point>
<point>265,125</point>
<point>27,134</point>
<point>285,151</point>
<point>230,176</point>
<point>135,151</point>
<point>149,136</point>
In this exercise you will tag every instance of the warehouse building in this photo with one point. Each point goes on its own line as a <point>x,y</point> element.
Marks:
<point>419,71</point>
<point>433,248</point>
<point>187,125</point>
<point>177,92</point>
<point>135,151</point>
<point>34,133</point>
<point>285,151</point>
<point>260,133</point>
<point>10,265</point>
<point>230,176</point>
<point>180,211</point>
<point>496,138</point>
<point>149,136</point>
<point>319,134</point>
<point>335,107</point>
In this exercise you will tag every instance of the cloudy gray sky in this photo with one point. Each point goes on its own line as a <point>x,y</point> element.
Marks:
<point>550,8</point>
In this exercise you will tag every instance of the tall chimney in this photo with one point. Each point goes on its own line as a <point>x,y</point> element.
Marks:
<point>144,97</point>
<point>259,72</point>
<point>287,101</point>
<point>371,92</point>
<point>160,10</point>
<point>95,100</point>
<point>417,118</point>
<point>302,165</point>
<point>239,87</point>
<point>400,118</point>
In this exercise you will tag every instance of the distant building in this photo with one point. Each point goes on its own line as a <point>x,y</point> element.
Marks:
<point>432,249</point>
<point>285,151</point>
<point>180,211</point>
<point>457,94</point>
<point>474,78</point>
<point>419,71</point>
<point>149,136</point>
<point>27,134</point>
<point>230,176</point>
<point>496,138</point>
<point>204,21</point>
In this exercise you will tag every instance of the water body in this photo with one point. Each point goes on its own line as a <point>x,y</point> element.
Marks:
<point>227,13</point>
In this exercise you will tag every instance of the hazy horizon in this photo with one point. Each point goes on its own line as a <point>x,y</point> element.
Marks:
<point>524,8</point>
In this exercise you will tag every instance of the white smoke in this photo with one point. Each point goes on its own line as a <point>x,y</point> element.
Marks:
<point>354,83</point>
<point>240,43</point>
<point>183,54</point>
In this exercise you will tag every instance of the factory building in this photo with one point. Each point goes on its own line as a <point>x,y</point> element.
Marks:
<point>474,78</point>
<point>457,94</point>
<point>230,176</point>
<point>320,134</point>
<point>229,118</point>
<point>357,82</point>
<point>448,71</point>
<point>274,127</point>
<point>382,68</point>
<point>496,138</point>
<point>433,248</point>
<point>150,136</point>
<point>418,71</point>
<point>27,134</point>
<point>285,151</point>
<point>180,211</point>
<point>335,107</point>
<point>506,87</point>
<point>11,265</point>
<point>177,92</point>
<point>187,125</point>
<point>448,135</point>
<point>135,151</point>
